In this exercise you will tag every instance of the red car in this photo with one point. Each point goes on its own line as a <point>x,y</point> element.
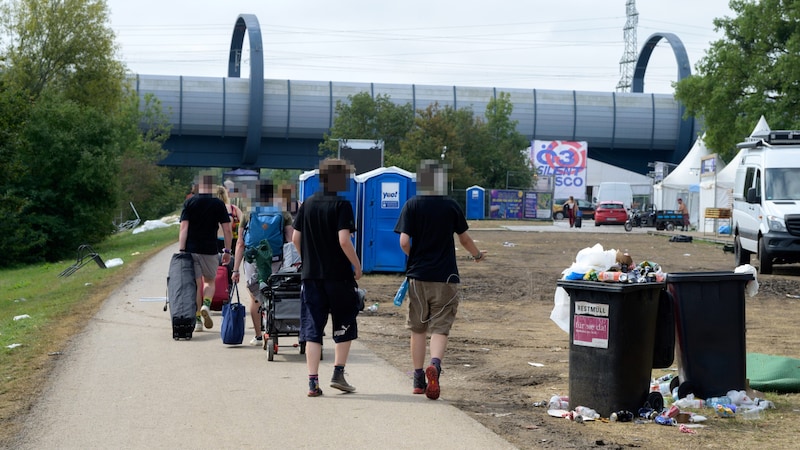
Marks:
<point>610,213</point>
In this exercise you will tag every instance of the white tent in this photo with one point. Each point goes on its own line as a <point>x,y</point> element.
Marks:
<point>683,182</point>
<point>717,192</point>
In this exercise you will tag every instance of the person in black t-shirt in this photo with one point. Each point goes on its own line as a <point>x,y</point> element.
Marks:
<point>426,227</point>
<point>330,269</point>
<point>202,215</point>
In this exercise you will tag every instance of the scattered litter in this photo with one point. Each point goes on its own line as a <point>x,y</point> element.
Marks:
<point>136,253</point>
<point>114,262</point>
<point>152,225</point>
<point>509,244</point>
<point>485,349</point>
<point>13,345</point>
<point>535,364</point>
<point>685,429</point>
<point>687,254</point>
<point>793,295</point>
<point>500,414</point>
<point>152,299</point>
<point>21,299</point>
<point>54,354</point>
<point>22,316</point>
<point>467,365</point>
<point>531,427</point>
<point>87,284</point>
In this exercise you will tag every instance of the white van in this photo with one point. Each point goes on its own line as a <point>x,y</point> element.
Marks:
<point>613,191</point>
<point>766,200</point>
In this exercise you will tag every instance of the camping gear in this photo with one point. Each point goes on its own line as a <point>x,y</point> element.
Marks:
<point>233,320</point>
<point>182,295</point>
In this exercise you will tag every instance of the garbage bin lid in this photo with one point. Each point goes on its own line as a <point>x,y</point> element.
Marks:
<point>708,277</point>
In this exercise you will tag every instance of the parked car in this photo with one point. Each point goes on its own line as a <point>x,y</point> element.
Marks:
<point>610,213</point>
<point>586,207</point>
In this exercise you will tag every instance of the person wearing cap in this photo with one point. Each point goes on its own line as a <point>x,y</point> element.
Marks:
<point>685,211</point>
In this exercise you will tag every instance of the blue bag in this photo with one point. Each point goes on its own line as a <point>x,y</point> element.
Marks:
<point>233,319</point>
<point>266,224</point>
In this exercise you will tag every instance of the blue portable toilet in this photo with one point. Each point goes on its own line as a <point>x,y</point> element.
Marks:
<point>382,193</point>
<point>308,184</point>
<point>476,207</point>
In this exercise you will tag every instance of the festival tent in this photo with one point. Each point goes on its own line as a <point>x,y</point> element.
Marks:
<point>684,183</point>
<point>717,191</point>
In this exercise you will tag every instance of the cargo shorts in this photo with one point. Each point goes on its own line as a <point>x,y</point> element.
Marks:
<point>432,306</point>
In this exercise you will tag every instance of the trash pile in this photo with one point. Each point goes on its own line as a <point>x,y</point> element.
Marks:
<point>596,264</point>
<point>668,409</point>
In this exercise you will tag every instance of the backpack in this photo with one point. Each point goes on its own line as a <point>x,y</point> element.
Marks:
<point>266,223</point>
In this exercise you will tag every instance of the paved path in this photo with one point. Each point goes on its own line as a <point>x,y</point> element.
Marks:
<point>124,383</point>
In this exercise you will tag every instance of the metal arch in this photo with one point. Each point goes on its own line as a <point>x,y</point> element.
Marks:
<point>686,126</point>
<point>249,23</point>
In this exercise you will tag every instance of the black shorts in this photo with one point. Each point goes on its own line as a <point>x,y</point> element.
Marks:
<point>319,298</point>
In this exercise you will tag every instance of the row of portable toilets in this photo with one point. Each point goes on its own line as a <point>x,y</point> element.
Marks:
<point>377,197</point>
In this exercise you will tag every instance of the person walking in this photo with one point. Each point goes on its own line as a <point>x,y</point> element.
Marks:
<point>571,208</point>
<point>426,226</point>
<point>329,272</point>
<point>685,212</point>
<point>263,198</point>
<point>201,216</point>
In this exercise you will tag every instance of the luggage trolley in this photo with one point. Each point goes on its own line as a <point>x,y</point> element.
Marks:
<point>280,311</point>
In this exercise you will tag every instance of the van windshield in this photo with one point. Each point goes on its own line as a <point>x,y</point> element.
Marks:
<point>783,183</point>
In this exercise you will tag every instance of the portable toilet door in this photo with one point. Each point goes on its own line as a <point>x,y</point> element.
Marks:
<point>382,194</point>
<point>476,208</point>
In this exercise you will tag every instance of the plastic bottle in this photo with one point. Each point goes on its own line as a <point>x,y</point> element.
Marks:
<point>690,402</point>
<point>586,412</point>
<point>400,295</point>
<point>558,402</point>
<point>373,307</point>
<point>714,401</point>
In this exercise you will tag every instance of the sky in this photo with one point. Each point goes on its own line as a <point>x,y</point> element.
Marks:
<point>527,44</point>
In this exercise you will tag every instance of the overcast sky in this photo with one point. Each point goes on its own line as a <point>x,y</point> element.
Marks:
<point>558,44</point>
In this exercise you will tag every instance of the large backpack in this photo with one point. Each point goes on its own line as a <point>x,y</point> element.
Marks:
<point>265,223</point>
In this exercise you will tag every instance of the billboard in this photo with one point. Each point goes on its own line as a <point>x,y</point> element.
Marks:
<point>566,162</point>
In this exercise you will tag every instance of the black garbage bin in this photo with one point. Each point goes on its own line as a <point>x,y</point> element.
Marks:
<point>612,336</point>
<point>710,331</point>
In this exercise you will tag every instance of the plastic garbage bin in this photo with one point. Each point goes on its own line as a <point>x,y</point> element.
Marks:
<point>612,337</point>
<point>710,331</point>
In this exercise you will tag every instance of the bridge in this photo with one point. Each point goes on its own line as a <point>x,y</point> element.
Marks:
<point>268,123</point>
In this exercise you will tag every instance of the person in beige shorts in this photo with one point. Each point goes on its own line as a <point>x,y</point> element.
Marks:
<point>426,227</point>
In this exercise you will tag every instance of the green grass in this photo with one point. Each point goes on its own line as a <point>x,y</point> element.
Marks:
<point>58,308</point>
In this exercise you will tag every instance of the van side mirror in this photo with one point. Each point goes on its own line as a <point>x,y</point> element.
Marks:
<point>752,196</point>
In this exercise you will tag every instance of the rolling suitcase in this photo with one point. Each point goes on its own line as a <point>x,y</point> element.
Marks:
<point>578,221</point>
<point>222,287</point>
<point>182,295</point>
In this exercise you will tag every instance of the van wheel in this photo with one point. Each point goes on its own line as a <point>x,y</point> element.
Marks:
<point>764,260</point>
<point>670,226</point>
<point>740,255</point>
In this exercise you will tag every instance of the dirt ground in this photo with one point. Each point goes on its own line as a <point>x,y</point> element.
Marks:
<point>504,325</point>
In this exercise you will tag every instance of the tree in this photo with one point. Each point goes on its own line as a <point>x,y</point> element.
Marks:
<point>753,70</point>
<point>501,162</point>
<point>365,117</point>
<point>65,45</point>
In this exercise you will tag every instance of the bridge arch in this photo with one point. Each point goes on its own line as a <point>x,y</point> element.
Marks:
<point>249,23</point>
<point>686,125</point>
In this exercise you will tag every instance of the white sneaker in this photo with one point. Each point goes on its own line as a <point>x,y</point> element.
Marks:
<point>198,326</point>
<point>257,341</point>
<point>205,312</point>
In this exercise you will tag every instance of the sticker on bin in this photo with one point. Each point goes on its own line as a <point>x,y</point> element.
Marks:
<point>590,325</point>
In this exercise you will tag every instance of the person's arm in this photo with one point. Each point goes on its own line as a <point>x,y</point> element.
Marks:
<point>468,244</point>
<point>228,238</point>
<point>296,241</point>
<point>238,255</point>
<point>182,234</point>
<point>350,252</point>
<point>405,243</point>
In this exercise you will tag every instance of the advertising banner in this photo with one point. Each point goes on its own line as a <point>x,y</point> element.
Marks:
<point>506,204</point>
<point>564,160</point>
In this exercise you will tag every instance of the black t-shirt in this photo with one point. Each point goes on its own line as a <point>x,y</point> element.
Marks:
<point>319,220</point>
<point>204,213</point>
<point>431,220</point>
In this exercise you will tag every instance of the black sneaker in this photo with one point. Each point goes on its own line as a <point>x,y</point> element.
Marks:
<point>419,384</point>
<point>338,382</point>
